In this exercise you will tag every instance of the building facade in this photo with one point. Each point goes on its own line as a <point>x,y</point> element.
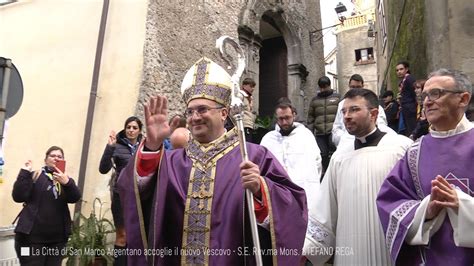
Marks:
<point>331,68</point>
<point>282,56</point>
<point>356,52</point>
<point>88,65</point>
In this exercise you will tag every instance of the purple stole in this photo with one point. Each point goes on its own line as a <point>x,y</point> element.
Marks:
<point>195,213</point>
<point>410,181</point>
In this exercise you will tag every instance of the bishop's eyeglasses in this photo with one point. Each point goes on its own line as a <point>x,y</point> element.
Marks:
<point>200,110</point>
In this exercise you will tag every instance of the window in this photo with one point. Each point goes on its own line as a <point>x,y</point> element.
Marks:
<point>365,55</point>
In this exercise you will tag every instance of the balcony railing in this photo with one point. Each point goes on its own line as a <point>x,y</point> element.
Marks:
<point>356,21</point>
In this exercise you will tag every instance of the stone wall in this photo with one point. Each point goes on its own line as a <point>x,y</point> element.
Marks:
<point>410,42</point>
<point>449,35</point>
<point>55,55</point>
<point>428,34</point>
<point>179,32</point>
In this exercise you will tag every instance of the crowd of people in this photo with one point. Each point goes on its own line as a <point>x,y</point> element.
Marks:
<point>360,183</point>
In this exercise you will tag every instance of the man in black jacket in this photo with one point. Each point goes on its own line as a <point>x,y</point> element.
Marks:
<point>391,110</point>
<point>408,99</point>
<point>321,115</point>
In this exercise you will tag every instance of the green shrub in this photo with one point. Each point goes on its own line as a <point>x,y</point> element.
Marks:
<point>88,239</point>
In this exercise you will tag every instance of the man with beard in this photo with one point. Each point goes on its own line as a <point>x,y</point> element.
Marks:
<point>191,200</point>
<point>295,148</point>
<point>343,219</point>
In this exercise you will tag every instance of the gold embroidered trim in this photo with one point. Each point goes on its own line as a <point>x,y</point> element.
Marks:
<point>138,203</point>
<point>200,196</point>
<point>270,216</point>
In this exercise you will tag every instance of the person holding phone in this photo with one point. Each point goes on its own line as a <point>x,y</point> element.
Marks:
<point>44,222</point>
<point>119,149</point>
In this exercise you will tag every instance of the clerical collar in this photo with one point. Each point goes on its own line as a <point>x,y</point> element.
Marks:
<point>363,139</point>
<point>372,139</point>
<point>463,126</point>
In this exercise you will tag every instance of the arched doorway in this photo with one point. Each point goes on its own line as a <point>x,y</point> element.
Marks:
<point>273,68</point>
<point>260,22</point>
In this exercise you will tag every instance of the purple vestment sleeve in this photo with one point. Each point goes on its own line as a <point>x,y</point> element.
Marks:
<point>397,203</point>
<point>159,222</point>
<point>129,197</point>
<point>410,182</point>
<point>287,200</point>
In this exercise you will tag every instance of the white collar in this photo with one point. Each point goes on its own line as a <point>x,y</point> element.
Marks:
<point>363,139</point>
<point>244,93</point>
<point>463,126</point>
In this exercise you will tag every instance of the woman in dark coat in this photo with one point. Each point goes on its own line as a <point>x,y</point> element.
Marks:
<point>44,224</point>
<point>422,125</point>
<point>119,149</point>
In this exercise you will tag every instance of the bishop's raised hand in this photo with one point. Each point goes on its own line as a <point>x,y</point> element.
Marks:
<point>156,121</point>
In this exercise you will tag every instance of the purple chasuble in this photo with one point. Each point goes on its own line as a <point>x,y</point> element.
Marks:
<point>410,181</point>
<point>194,212</point>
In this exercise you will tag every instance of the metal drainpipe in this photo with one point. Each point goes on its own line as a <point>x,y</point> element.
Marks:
<point>91,107</point>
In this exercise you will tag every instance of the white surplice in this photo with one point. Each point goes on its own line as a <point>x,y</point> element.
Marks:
<point>300,156</point>
<point>343,220</point>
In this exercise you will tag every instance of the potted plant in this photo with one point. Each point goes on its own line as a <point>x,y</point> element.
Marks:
<point>87,243</point>
<point>263,125</point>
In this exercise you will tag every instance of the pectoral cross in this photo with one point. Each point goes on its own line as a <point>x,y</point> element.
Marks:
<point>201,195</point>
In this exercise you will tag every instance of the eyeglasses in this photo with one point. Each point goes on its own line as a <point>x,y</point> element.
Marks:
<point>56,156</point>
<point>351,110</point>
<point>200,110</point>
<point>436,93</point>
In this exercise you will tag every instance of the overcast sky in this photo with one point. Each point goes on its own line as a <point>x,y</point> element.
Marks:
<point>328,18</point>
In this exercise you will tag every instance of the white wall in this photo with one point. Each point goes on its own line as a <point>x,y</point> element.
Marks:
<point>53,45</point>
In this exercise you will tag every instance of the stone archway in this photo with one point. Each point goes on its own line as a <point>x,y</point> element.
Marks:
<point>251,39</point>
